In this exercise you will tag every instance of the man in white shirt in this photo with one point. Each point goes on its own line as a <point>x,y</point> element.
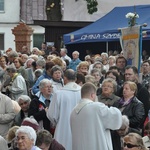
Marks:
<point>63,53</point>
<point>91,122</point>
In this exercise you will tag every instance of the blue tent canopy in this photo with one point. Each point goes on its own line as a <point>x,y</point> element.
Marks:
<point>106,28</point>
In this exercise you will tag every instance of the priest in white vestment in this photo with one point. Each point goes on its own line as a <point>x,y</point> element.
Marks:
<point>91,122</point>
<point>61,106</point>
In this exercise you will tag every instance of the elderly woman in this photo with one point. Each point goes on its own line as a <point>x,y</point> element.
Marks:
<point>40,64</point>
<point>117,135</point>
<point>35,51</point>
<point>24,58</point>
<point>98,65</point>
<point>20,67</point>
<point>108,89</point>
<point>24,102</point>
<point>17,86</point>
<point>40,103</point>
<point>130,106</point>
<point>112,61</point>
<point>133,141</point>
<point>97,74</point>
<point>56,78</point>
<point>26,138</point>
<point>45,141</point>
<point>113,75</point>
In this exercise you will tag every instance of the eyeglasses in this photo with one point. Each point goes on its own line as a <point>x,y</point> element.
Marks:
<point>107,86</point>
<point>129,145</point>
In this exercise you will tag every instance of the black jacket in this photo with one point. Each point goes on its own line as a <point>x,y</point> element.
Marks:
<point>134,111</point>
<point>142,95</point>
<point>37,110</point>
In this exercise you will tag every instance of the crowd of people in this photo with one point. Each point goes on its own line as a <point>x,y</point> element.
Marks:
<point>52,101</point>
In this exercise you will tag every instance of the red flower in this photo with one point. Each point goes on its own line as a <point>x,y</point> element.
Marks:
<point>41,107</point>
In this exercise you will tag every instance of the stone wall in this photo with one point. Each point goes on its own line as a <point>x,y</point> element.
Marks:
<point>32,10</point>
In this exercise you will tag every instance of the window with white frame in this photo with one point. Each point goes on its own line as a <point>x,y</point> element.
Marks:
<point>1,41</point>
<point>1,5</point>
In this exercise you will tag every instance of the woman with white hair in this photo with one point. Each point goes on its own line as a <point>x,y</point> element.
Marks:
<point>112,61</point>
<point>40,103</point>
<point>117,135</point>
<point>105,63</point>
<point>26,138</point>
<point>108,97</point>
<point>24,102</point>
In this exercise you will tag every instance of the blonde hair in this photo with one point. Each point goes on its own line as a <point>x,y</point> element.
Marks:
<point>12,133</point>
<point>109,80</point>
<point>87,89</point>
<point>57,61</point>
<point>132,86</point>
<point>91,79</point>
<point>83,64</point>
<point>135,139</point>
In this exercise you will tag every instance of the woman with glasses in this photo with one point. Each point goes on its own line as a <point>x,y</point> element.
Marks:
<point>26,138</point>
<point>130,106</point>
<point>133,141</point>
<point>40,103</point>
<point>117,135</point>
<point>108,97</point>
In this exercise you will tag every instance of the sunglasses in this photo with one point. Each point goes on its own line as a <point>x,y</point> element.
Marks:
<point>129,145</point>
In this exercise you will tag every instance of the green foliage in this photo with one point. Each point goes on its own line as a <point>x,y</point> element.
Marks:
<point>92,6</point>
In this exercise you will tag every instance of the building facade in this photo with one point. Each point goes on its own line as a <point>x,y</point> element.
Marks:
<point>13,12</point>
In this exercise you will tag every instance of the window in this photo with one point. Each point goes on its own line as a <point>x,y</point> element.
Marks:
<point>1,5</point>
<point>1,41</point>
<point>38,39</point>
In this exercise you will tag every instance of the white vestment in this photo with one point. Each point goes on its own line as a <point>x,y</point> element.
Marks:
<point>91,123</point>
<point>61,106</point>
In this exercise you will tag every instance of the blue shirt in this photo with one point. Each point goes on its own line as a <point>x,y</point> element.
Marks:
<point>74,63</point>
